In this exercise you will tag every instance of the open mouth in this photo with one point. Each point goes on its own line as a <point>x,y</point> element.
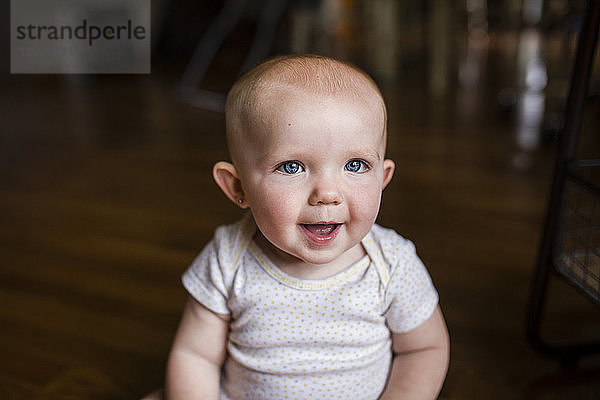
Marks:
<point>321,232</point>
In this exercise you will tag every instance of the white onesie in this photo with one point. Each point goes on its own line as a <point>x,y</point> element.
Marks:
<point>310,339</point>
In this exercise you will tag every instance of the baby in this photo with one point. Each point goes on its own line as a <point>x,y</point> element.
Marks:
<point>306,297</point>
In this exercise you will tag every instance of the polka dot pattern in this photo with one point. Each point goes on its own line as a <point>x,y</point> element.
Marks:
<point>310,339</point>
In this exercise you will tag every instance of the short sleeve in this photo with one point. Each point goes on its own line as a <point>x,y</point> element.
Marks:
<point>410,295</point>
<point>205,282</point>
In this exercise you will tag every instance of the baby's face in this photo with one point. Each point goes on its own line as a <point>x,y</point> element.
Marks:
<point>313,173</point>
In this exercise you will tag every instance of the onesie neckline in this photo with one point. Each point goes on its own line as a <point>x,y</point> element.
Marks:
<point>307,284</point>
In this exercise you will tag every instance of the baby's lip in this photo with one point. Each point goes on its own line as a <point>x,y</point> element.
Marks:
<point>322,229</point>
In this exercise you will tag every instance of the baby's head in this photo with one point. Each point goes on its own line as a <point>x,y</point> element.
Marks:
<point>307,139</point>
<point>254,100</point>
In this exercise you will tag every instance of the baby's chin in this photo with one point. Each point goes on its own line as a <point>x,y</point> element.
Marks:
<point>311,258</point>
<point>323,257</point>
<point>320,260</point>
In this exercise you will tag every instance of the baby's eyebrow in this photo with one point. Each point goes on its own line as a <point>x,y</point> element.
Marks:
<point>276,156</point>
<point>367,153</point>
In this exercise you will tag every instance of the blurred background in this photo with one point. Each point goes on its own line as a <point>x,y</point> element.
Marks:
<point>106,193</point>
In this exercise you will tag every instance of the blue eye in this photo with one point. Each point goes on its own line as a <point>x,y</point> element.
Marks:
<point>290,167</point>
<point>356,166</point>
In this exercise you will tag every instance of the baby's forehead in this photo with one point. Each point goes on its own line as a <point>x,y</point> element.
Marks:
<point>344,87</point>
<point>256,96</point>
<point>288,116</point>
<point>285,103</point>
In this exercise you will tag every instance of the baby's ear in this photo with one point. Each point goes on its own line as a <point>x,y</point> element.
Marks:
<point>226,176</point>
<point>388,171</point>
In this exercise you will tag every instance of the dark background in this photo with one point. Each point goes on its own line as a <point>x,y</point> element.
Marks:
<point>106,193</point>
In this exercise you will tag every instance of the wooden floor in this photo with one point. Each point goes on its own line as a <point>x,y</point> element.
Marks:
<point>106,197</point>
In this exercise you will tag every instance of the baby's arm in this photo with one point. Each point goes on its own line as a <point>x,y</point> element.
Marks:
<point>420,361</point>
<point>199,349</point>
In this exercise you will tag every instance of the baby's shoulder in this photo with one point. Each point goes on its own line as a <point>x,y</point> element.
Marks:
<point>393,247</point>
<point>230,241</point>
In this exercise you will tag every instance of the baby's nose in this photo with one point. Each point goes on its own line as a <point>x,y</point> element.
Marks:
<point>325,193</point>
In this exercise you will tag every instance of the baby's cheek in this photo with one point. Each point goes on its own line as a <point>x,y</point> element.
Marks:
<point>365,204</point>
<point>275,206</point>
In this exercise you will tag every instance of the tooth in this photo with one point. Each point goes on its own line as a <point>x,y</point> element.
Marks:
<point>321,229</point>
